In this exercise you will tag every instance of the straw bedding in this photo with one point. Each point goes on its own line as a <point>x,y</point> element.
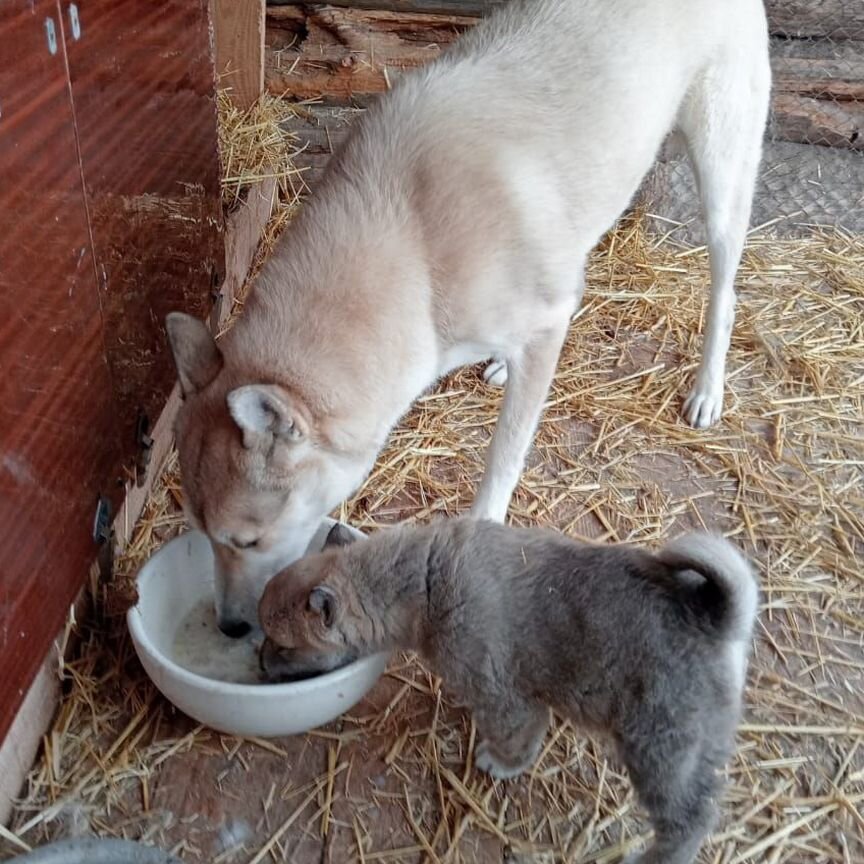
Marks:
<point>781,475</point>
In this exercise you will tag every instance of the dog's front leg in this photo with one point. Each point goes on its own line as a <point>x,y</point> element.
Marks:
<point>529,377</point>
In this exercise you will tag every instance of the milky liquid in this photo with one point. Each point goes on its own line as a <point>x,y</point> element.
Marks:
<point>200,647</point>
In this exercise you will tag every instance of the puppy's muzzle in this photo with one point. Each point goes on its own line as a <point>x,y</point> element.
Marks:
<point>284,665</point>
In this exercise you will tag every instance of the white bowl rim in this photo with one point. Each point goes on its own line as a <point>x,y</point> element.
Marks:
<point>135,623</point>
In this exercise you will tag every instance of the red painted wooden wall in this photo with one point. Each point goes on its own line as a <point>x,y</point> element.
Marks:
<point>109,218</point>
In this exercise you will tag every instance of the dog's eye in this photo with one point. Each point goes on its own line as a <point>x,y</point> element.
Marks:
<point>241,544</point>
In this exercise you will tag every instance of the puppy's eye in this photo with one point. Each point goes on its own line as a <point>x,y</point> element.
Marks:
<point>243,544</point>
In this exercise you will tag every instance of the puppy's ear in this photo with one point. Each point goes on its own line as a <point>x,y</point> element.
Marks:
<point>324,603</point>
<point>339,535</point>
<point>196,355</point>
<point>265,412</point>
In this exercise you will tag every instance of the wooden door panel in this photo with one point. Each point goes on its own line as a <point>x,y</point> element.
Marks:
<point>58,441</point>
<point>144,96</point>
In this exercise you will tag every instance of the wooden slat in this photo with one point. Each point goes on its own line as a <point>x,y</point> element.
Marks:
<point>818,121</point>
<point>149,153</point>
<point>58,438</point>
<point>238,34</point>
<point>350,55</point>
<point>432,7</point>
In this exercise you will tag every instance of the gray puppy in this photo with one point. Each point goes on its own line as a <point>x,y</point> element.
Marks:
<point>282,665</point>
<point>649,648</point>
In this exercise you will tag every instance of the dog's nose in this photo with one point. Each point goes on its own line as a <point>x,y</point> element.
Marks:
<point>235,629</point>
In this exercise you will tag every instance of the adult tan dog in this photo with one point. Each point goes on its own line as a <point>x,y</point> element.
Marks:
<point>452,227</point>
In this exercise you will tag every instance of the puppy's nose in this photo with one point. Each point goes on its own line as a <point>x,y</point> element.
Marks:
<point>235,629</point>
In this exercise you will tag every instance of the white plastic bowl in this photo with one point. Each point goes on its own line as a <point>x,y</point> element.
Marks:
<point>170,584</point>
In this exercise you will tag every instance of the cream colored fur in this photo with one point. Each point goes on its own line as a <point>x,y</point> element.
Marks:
<point>453,227</point>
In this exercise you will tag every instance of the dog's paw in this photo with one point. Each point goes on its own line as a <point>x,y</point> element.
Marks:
<point>703,406</point>
<point>496,373</point>
<point>486,761</point>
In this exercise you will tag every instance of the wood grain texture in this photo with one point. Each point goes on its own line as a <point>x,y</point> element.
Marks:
<point>818,121</point>
<point>348,56</point>
<point>58,437</point>
<point>432,7</point>
<point>143,90</point>
<point>238,34</point>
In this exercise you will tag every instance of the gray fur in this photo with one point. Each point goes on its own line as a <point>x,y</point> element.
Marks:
<point>516,621</point>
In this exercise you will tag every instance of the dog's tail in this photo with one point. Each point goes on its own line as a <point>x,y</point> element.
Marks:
<point>728,599</point>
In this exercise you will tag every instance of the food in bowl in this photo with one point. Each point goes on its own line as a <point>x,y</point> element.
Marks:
<point>201,647</point>
<point>173,587</point>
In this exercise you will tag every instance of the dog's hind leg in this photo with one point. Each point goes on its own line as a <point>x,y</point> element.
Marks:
<point>723,121</point>
<point>495,373</point>
<point>529,376</point>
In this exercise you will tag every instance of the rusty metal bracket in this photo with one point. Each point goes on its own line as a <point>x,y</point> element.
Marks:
<point>144,443</point>
<point>103,535</point>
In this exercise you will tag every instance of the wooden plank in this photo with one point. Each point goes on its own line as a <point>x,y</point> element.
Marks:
<point>149,153</point>
<point>818,121</point>
<point>20,745</point>
<point>322,130</point>
<point>820,70</point>
<point>837,19</point>
<point>238,34</point>
<point>58,436</point>
<point>349,55</point>
<point>432,7</point>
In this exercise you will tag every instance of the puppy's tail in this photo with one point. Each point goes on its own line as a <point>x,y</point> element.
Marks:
<point>728,600</point>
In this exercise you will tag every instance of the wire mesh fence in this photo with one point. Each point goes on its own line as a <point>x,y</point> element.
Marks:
<point>813,164</point>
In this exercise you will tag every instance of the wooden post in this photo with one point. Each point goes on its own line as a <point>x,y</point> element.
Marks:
<point>238,36</point>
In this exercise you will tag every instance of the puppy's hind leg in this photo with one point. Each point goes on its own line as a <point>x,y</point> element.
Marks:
<point>529,376</point>
<point>723,120</point>
<point>678,786</point>
<point>511,738</point>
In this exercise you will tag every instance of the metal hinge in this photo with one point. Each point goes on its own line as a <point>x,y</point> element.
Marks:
<point>51,35</point>
<point>74,21</point>
<point>103,535</point>
<point>216,296</point>
<point>144,442</point>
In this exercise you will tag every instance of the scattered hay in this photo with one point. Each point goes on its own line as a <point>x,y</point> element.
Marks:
<point>393,781</point>
<point>254,146</point>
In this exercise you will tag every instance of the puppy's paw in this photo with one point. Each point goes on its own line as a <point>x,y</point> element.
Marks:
<point>704,405</point>
<point>496,373</point>
<point>486,761</point>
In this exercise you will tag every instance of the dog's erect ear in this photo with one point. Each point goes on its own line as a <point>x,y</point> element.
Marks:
<point>322,601</point>
<point>196,355</point>
<point>264,412</point>
<point>339,535</point>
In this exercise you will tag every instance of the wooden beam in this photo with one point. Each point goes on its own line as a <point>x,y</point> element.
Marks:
<point>818,121</point>
<point>348,56</point>
<point>238,35</point>
<point>432,7</point>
